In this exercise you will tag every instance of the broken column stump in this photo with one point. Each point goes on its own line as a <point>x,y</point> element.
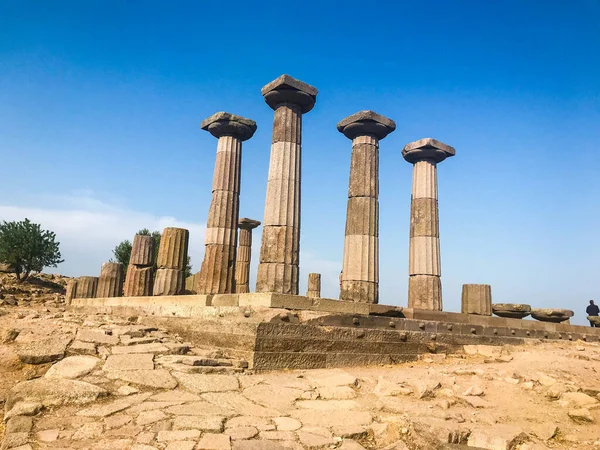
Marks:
<point>172,256</point>
<point>314,285</point>
<point>86,287</point>
<point>110,283</point>
<point>477,299</point>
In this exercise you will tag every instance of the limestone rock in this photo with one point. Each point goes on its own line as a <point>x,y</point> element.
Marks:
<point>200,383</point>
<point>578,399</point>
<point>498,437</point>
<point>159,378</point>
<point>54,392</point>
<point>40,352</point>
<point>212,441</point>
<point>72,367</point>
<point>139,361</point>
<point>581,415</point>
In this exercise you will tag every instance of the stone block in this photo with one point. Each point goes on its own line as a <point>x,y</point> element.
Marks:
<point>362,216</point>
<point>359,291</point>
<point>364,168</point>
<point>554,315</point>
<point>511,310</point>
<point>424,220</point>
<point>138,282</point>
<point>110,283</point>
<point>424,256</point>
<point>168,282</point>
<point>477,299</point>
<point>280,245</point>
<point>277,277</point>
<point>425,292</point>
<point>142,251</point>
<point>86,287</point>
<point>172,253</point>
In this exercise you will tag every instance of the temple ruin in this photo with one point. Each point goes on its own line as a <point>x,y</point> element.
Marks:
<point>275,327</point>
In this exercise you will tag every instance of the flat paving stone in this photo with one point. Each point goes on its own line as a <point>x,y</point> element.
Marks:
<point>241,433</point>
<point>201,408</point>
<point>175,396</point>
<point>326,405</point>
<point>240,404</point>
<point>154,348</point>
<point>142,361</point>
<point>97,337</point>
<point>73,367</point>
<point>181,445</point>
<point>212,441</point>
<point>41,352</point>
<point>331,377</point>
<point>204,423</point>
<point>148,417</point>
<point>200,383</point>
<point>107,409</point>
<point>332,418</point>
<point>178,435</point>
<point>159,378</point>
<point>287,423</point>
<point>261,423</point>
<point>278,397</point>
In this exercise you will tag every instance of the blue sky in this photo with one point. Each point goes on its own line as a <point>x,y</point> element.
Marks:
<point>101,101</point>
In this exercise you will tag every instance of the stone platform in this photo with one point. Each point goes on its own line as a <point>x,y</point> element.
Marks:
<point>275,331</point>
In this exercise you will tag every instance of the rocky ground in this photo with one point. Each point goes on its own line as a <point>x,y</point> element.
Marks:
<point>74,381</point>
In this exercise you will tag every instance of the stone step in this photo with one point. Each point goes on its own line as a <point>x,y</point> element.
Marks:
<point>197,361</point>
<point>185,368</point>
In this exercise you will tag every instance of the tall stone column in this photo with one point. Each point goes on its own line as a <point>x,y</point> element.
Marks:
<point>477,299</point>
<point>110,283</point>
<point>217,274</point>
<point>314,285</point>
<point>360,269</point>
<point>424,267</point>
<point>140,272</point>
<point>280,246</point>
<point>171,262</point>
<point>244,254</point>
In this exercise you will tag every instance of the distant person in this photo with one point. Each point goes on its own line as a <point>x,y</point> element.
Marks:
<point>592,310</point>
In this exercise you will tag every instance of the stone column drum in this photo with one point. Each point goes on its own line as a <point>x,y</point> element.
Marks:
<point>171,262</point>
<point>360,267</point>
<point>477,299</point>
<point>280,246</point>
<point>110,283</point>
<point>86,287</point>
<point>217,274</point>
<point>71,289</point>
<point>140,272</point>
<point>314,285</point>
<point>244,255</point>
<point>424,267</point>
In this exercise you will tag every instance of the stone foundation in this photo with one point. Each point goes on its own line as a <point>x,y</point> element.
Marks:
<point>277,331</point>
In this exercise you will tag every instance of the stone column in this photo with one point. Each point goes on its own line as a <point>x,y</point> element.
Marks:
<point>171,262</point>
<point>138,282</point>
<point>477,299</point>
<point>314,285</point>
<point>424,268</point>
<point>86,287</point>
<point>280,246</point>
<point>110,283</point>
<point>360,267</point>
<point>71,289</point>
<point>217,274</point>
<point>244,254</point>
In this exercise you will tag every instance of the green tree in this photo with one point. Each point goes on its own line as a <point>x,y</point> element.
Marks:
<point>122,252</point>
<point>28,248</point>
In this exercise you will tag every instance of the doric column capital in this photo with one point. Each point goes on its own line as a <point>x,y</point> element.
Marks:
<point>225,124</point>
<point>427,148</point>
<point>286,89</point>
<point>248,224</point>
<point>366,123</point>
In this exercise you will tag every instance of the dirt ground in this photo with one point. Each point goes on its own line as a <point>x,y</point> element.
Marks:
<point>77,381</point>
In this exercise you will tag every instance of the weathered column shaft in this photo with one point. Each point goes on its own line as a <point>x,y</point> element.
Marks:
<point>110,283</point>
<point>142,251</point>
<point>242,267</point>
<point>314,285</point>
<point>86,287</point>
<point>477,299</point>
<point>71,289</point>
<point>217,275</point>
<point>138,282</point>
<point>424,264</point>
<point>360,268</point>
<point>172,260</point>
<point>280,246</point>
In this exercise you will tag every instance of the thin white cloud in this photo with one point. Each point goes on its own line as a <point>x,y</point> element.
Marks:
<point>88,229</point>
